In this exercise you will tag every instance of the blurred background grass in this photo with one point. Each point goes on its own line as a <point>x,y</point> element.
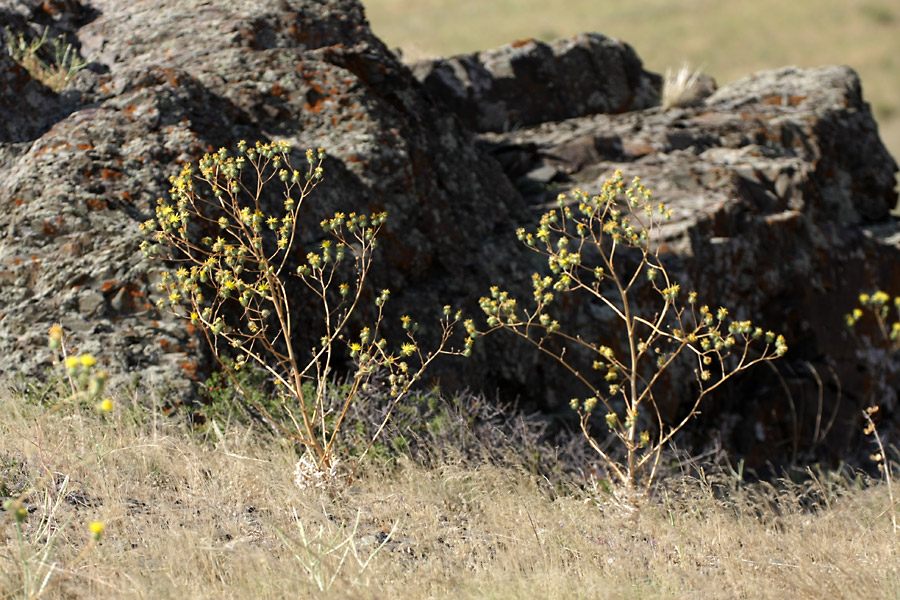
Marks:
<point>728,39</point>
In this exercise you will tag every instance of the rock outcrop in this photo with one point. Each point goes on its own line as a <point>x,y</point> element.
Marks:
<point>782,192</point>
<point>530,82</point>
<point>176,79</point>
<point>781,188</point>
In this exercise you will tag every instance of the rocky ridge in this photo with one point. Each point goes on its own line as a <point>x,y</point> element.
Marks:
<point>781,187</point>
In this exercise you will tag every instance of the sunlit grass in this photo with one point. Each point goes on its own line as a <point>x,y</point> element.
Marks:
<point>183,517</point>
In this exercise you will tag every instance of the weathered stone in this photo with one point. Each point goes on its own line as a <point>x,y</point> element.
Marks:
<point>530,82</point>
<point>780,186</point>
<point>781,191</point>
<point>177,79</point>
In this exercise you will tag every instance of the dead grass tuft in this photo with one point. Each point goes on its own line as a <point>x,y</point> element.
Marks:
<point>684,87</point>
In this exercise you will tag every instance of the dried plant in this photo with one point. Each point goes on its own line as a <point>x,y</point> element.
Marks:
<point>606,246</point>
<point>683,87</point>
<point>231,283</point>
<point>881,459</point>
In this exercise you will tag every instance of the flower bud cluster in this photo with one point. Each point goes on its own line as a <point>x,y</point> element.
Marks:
<point>879,305</point>
<point>87,380</point>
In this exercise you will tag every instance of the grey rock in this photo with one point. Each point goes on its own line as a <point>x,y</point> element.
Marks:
<point>780,186</point>
<point>530,82</point>
<point>781,191</point>
<point>177,79</point>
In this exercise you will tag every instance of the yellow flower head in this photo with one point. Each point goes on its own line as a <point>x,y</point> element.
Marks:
<point>96,528</point>
<point>87,360</point>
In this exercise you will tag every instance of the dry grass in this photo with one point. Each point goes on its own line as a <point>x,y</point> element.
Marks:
<point>192,518</point>
<point>682,87</point>
<point>52,62</point>
<point>730,39</point>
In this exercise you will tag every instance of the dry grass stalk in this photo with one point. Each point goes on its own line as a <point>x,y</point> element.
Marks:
<point>682,88</point>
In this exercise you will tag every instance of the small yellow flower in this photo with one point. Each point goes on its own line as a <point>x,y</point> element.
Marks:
<point>105,405</point>
<point>72,362</point>
<point>96,528</point>
<point>87,360</point>
<point>407,349</point>
<point>879,298</point>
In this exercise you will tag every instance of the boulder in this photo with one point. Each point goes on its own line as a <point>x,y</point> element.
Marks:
<point>177,79</point>
<point>530,82</point>
<point>782,194</point>
<point>780,186</point>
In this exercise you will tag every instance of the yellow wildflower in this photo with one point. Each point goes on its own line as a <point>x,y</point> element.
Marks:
<point>96,528</point>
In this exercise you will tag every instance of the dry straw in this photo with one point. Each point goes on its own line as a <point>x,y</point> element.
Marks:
<point>683,87</point>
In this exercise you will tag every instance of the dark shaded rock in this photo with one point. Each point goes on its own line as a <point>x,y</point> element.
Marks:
<point>29,107</point>
<point>530,82</point>
<point>782,192</point>
<point>32,106</point>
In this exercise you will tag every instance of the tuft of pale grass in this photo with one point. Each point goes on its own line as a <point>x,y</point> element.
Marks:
<point>684,87</point>
<point>187,517</point>
<point>63,59</point>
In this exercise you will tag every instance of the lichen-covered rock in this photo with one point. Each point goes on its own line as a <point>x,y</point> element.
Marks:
<point>530,82</point>
<point>781,190</point>
<point>780,186</point>
<point>176,79</point>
